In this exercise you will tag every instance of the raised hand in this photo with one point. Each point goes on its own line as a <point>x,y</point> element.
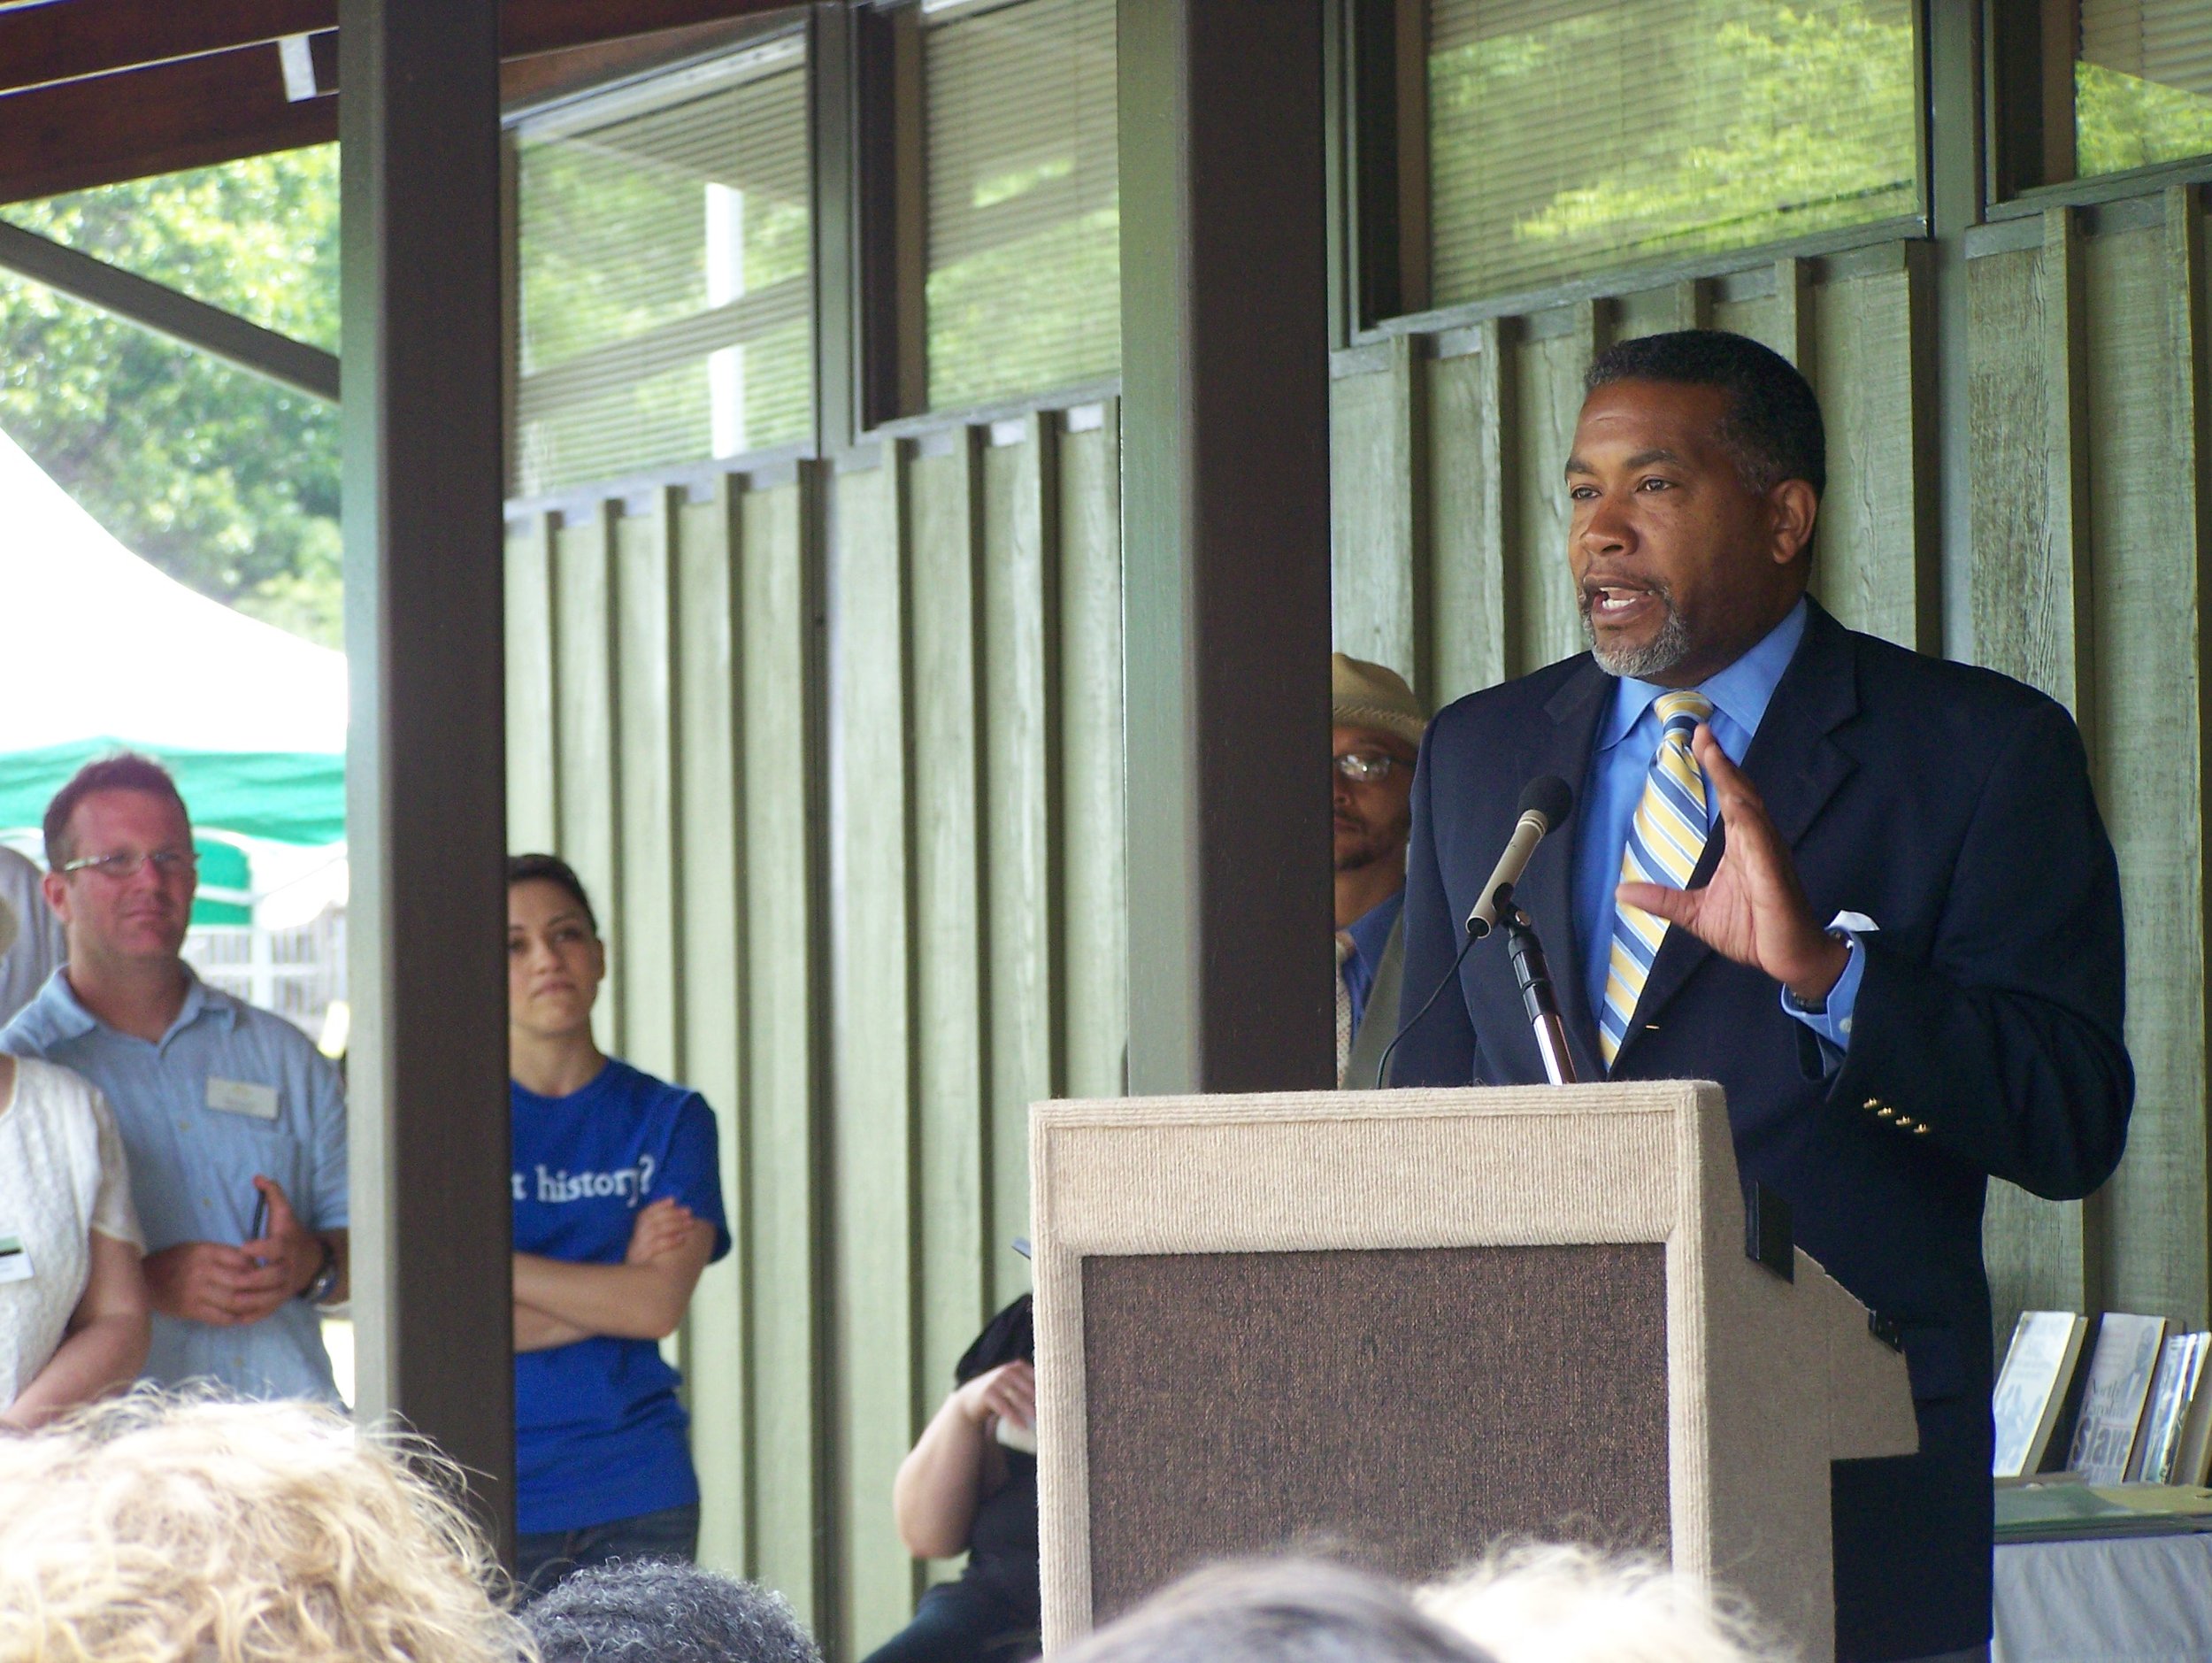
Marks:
<point>1754,909</point>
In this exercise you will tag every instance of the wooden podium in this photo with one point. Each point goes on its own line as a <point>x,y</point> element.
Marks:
<point>1408,1323</point>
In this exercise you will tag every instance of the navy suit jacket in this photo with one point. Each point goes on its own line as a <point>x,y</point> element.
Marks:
<point>1952,805</point>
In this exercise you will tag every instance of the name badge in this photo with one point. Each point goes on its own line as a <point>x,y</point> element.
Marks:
<point>243,1096</point>
<point>15,1261</point>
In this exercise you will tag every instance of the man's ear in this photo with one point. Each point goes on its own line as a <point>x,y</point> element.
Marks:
<point>55,888</point>
<point>1792,508</point>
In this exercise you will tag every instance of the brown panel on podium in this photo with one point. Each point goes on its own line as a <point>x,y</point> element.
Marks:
<point>1406,1405</point>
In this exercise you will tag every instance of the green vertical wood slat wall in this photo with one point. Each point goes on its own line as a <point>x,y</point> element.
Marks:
<point>2030,592</point>
<point>711,998</point>
<point>2146,557</point>
<point>1021,812</point>
<point>891,884</point>
<point>873,1132</point>
<point>782,1203</point>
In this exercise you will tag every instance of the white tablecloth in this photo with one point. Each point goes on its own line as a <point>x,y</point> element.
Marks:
<point>2125,1599</point>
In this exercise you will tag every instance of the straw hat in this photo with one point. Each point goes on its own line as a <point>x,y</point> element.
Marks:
<point>1363,695</point>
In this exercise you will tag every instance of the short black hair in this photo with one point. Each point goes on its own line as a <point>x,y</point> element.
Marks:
<point>126,771</point>
<point>553,870</point>
<point>665,1611</point>
<point>1772,431</point>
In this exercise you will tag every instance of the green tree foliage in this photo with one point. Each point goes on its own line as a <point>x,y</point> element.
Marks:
<point>223,479</point>
<point>2121,122</point>
<point>1586,141</point>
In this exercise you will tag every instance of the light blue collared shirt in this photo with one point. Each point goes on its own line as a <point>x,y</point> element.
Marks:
<point>1627,740</point>
<point>193,1162</point>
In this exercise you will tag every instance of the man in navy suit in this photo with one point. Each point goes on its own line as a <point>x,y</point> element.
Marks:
<point>1866,891</point>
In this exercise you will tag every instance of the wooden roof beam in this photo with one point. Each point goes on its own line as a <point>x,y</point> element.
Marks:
<point>169,312</point>
<point>71,40</point>
<point>189,112</point>
<point>64,41</point>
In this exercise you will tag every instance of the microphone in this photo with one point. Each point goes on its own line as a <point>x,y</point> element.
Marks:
<point>1546,802</point>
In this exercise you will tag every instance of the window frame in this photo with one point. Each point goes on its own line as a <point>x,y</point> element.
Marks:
<point>2031,50</point>
<point>890,198</point>
<point>655,85</point>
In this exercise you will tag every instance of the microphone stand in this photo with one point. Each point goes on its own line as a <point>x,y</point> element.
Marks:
<point>1534,975</point>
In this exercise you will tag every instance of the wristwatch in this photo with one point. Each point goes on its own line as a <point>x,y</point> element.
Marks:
<point>324,1279</point>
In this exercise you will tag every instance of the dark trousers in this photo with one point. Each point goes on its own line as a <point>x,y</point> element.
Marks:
<point>959,1622</point>
<point>544,1560</point>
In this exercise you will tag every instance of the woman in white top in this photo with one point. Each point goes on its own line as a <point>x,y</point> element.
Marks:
<point>75,1319</point>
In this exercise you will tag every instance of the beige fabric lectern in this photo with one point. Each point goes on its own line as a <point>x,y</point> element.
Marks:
<point>1411,1322</point>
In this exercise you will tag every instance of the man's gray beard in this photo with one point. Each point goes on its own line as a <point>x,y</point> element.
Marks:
<point>1653,659</point>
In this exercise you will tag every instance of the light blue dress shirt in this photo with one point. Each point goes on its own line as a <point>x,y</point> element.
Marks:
<point>193,1161</point>
<point>1620,758</point>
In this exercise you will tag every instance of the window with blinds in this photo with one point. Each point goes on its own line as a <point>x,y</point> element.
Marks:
<point>1567,136</point>
<point>663,243</point>
<point>1024,207</point>
<point>2142,84</point>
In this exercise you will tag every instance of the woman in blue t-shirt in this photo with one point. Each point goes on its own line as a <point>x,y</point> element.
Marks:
<point>618,1203</point>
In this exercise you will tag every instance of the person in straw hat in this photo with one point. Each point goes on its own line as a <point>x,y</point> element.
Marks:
<point>1376,734</point>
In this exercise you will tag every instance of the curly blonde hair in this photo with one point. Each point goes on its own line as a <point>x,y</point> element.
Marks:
<point>155,1528</point>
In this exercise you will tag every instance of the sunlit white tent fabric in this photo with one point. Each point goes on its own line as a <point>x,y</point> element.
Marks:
<point>101,650</point>
<point>102,645</point>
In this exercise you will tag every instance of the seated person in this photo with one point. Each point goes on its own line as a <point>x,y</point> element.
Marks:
<point>227,1532</point>
<point>660,1611</point>
<point>965,1488</point>
<point>74,1319</point>
<point>617,1200</point>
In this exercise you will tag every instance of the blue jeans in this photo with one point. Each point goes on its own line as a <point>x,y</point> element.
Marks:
<point>544,1562</point>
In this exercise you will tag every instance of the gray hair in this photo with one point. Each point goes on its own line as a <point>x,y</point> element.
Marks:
<point>1531,1602</point>
<point>1276,1610</point>
<point>665,1611</point>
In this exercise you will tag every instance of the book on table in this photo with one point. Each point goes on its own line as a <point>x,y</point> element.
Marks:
<point>2032,1388</point>
<point>2121,1368</point>
<point>2179,1363</point>
<point>2193,1443</point>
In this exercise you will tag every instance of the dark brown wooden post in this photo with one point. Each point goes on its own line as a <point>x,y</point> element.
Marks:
<point>426,793</point>
<point>1225,540</point>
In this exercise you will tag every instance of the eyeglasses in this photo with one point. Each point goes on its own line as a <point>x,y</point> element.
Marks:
<point>166,863</point>
<point>1366,766</point>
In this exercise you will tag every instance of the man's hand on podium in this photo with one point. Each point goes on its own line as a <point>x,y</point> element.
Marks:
<point>1753,910</point>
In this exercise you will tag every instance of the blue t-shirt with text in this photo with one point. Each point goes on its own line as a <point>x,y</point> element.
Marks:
<point>599,1434</point>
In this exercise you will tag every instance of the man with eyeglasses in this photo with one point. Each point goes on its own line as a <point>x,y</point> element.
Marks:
<point>1377,725</point>
<point>234,1125</point>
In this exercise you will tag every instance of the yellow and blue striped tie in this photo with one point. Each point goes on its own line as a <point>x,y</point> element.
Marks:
<point>1664,841</point>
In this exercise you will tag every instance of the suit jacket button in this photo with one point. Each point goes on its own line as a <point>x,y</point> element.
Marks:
<point>1873,1102</point>
<point>1920,1131</point>
<point>1886,1112</point>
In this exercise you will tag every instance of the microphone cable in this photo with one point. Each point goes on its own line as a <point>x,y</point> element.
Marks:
<point>1382,1065</point>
